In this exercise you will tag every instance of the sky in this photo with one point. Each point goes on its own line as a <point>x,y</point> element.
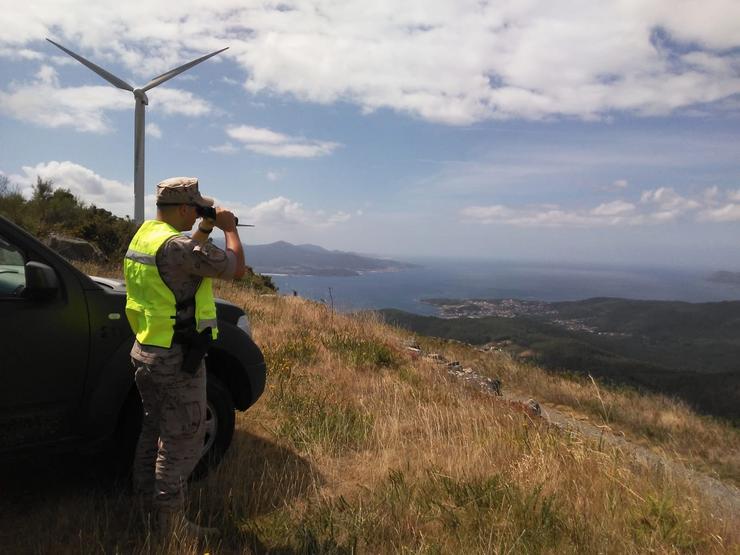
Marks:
<point>571,131</point>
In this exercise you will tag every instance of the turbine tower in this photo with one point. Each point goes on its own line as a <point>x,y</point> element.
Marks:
<point>141,101</point>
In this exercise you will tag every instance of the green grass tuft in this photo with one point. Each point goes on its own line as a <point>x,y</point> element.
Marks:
<point>362,352</point>
<point>313,420</point>
<point>469,516</point>
<point>294,352</point>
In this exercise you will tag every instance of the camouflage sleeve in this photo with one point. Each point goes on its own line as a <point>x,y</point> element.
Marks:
<point>205,260</point>
<point>211,259</point>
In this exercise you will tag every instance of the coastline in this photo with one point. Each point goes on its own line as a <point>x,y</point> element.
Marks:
<point>441,279</point>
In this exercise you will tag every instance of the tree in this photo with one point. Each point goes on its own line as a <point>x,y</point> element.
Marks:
<point>42,190</point>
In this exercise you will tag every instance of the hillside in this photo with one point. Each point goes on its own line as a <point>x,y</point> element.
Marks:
<point>311,260</point>
<point>690,350</point>
<point>361,446</point>
<point>52,211</point>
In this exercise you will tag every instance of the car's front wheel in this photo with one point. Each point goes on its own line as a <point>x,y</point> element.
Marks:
<point>219,425</point>
<point>219,428</point>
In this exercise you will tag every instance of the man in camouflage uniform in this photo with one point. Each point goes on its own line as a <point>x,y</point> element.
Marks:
<point>174,401</point>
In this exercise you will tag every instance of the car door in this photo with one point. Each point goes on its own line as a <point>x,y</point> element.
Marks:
<point>44,348</point>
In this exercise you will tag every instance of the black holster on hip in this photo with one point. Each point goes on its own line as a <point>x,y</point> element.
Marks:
<point>194,346</point>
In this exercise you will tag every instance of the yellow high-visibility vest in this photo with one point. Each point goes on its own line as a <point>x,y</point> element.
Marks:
<point>150,304</point>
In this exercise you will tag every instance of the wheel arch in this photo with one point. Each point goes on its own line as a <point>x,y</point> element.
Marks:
<point>239,364</point>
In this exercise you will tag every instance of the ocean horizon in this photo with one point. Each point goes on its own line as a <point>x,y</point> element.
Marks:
<point>467,279</point>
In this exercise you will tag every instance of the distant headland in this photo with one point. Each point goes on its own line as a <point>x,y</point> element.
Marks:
<point>285,258</point>
<point>723,276</point>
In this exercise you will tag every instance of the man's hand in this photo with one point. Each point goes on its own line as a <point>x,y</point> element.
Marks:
<point>225,220</point>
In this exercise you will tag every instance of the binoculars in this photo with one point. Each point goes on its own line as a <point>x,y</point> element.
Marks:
<point>210,212</point>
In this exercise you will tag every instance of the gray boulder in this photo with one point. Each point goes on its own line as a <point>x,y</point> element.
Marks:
<point>72,248</point>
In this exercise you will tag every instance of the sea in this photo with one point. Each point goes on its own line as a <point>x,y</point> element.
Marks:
<point>474,279</point>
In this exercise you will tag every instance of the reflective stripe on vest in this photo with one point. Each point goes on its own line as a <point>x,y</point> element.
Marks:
<point>141,257</point>
<point>150,304</point>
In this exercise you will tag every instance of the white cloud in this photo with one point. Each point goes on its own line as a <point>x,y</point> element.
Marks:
<point>82,182</point>
<point>20,54</point>
<point>292,150</point>
<point>153,130</point>
<point>177,102</point>
<point>547,216</point>
<point>614,208</point>
<point>272,176</point>
<point>488,214</point>
<point>727,213</point>
<point>247,134</point>
<point>658,206</point>
<point>226,148</point>
<point>670,203</point>
<point>272,143</point>
<point>455,61</point>
<point>338,218</point>
<point>45,102</point>
<point>620,184</point>
<point>712,193</point>
<point>734,195</point>
<point>280,212</point>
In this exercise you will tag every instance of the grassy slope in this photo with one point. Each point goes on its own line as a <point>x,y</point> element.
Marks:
<point>686,350</point>
<point>356,447</point>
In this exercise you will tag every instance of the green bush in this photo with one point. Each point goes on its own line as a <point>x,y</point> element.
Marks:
<point>52,210</point>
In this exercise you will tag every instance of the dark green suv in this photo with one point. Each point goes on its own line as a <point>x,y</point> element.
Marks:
<point>65,369</point>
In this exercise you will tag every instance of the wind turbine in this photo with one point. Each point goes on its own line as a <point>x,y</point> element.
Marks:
<point>141,101</point>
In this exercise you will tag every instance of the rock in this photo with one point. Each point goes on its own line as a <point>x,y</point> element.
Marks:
<point>494,384</point>
<point>531,408</point>
<point>72,248</point>
<point>414,352</point>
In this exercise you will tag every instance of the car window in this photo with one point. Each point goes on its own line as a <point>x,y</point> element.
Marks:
<point>12,269</point>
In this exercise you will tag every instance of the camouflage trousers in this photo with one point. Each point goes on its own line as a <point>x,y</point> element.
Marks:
<point>172,433</point>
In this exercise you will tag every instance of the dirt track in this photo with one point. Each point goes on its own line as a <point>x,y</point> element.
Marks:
<point>720,493</point>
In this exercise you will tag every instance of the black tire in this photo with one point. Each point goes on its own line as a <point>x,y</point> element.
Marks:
<point>220,418</point>
<point>123,446</point>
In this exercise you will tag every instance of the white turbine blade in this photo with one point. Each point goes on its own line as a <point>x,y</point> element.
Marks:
<point>112,79</point>
<point>173,72</point>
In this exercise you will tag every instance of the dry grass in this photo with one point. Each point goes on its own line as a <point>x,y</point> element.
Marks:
<point>708,444</point>
<point>355,447</point>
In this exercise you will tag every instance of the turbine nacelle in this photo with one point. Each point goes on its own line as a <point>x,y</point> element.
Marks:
<point>140,94</point>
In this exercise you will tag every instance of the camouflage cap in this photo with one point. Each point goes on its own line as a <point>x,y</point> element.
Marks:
<point>181,190</point>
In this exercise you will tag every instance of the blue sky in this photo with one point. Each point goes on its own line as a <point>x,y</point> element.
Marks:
<point>591,132</point>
